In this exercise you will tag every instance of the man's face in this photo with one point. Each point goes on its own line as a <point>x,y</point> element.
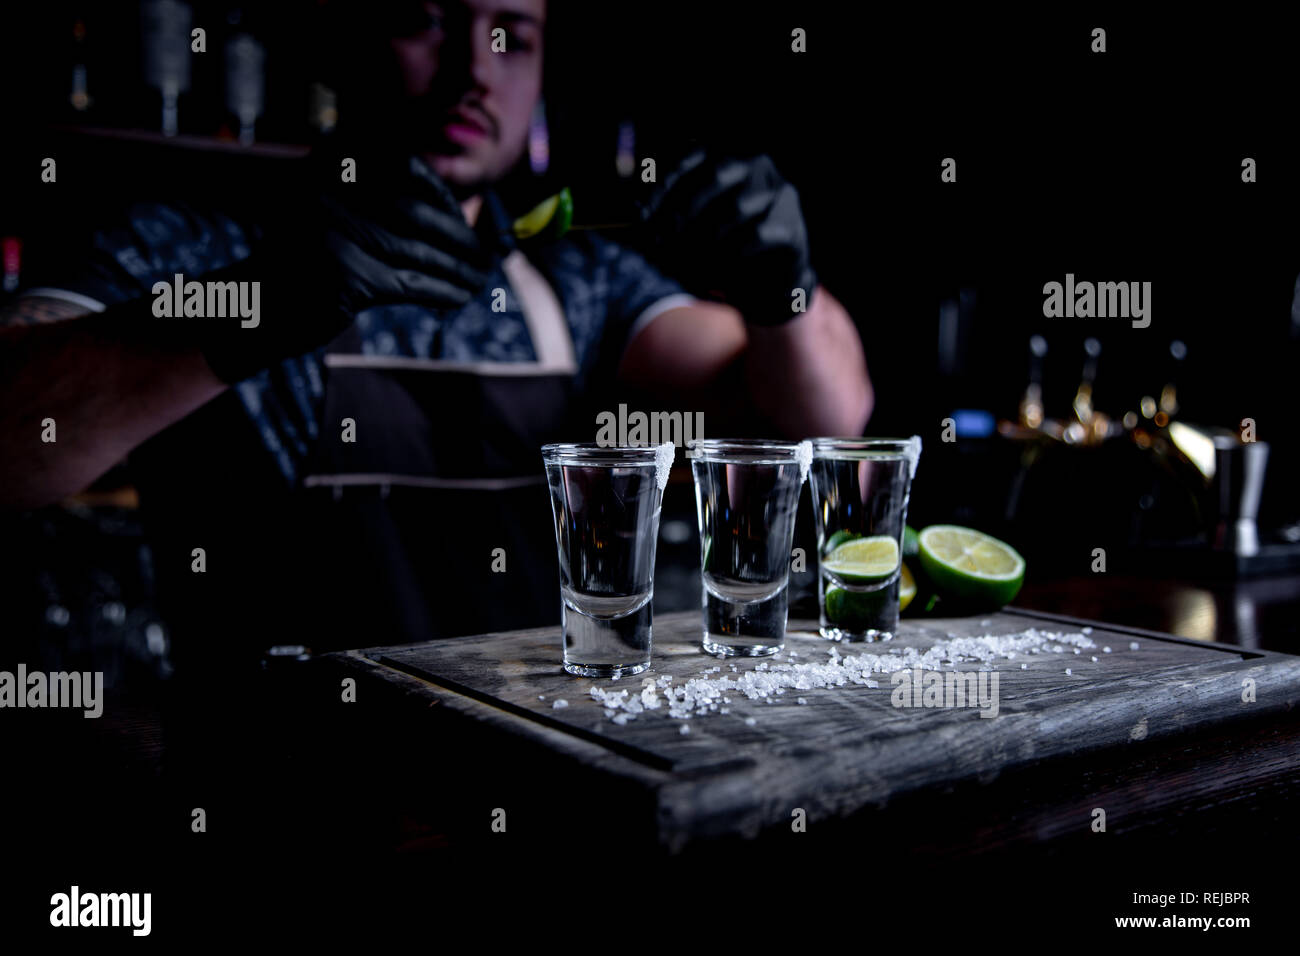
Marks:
<point>471,106</point>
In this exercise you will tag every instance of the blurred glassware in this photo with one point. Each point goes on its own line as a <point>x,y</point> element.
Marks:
<point>165,42</point>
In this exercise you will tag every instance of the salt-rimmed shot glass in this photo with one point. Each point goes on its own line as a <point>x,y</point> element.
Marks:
<point>746,498</point>
<point>860,490</point>
<point>606,502</point>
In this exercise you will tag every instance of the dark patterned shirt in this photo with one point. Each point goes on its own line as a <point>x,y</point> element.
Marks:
<point>604,289</point>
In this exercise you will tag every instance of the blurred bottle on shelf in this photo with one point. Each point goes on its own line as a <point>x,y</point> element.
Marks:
<point>79,94</point>
<point>245,62</point>
<point>1090,426</point>
<point>1167,407</point>
<point>322,108</point>
<point>165,46</point>
<point>1031,403</point>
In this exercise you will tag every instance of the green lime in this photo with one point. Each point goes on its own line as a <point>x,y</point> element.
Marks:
<point>864,560</point>
<point>838,538</point>
<point>926,595</point>
<point>553,215</point>
<point>971,566</point>
<point>855,610</point>
<point>911,542</point>
<point>906,588</point>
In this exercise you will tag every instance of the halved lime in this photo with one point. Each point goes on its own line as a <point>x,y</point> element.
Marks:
<point>906,588</point>
<point>838,538</point>
<point>864,560</point>
<point>926,594</point>
<point>911,542</point>
<point>971,565</point>
<point>553,215</point>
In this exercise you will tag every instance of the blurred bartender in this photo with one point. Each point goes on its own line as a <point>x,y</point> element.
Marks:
<point>341,471</point>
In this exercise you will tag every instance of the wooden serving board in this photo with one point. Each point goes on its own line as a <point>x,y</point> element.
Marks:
<point>846,747</point>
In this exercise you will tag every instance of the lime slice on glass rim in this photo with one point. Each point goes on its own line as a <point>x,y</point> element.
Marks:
<point>552,216</point>
<point>859,561</point>
<point>971,565</point>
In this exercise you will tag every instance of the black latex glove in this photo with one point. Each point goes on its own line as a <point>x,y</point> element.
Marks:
<point>734,228</point>
<point>342,249</point>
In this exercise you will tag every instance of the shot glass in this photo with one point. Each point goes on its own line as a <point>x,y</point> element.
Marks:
<point>860,489</point>
<point>746,497</point>
<point>606,502</point>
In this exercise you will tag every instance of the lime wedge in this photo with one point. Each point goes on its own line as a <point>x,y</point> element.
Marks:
<point>971,565</point>
<point>553,215</point>
<point>864,560</point>
<point>906,588</point>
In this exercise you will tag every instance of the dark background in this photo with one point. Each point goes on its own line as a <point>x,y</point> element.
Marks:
<point>1118,166</point>
<point>1121,166</point>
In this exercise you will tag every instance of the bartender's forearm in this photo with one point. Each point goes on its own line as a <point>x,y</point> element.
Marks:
<point>104,395</point>
<point>809,376</point>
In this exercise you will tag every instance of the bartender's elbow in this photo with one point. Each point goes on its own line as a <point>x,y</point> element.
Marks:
<point>861,404</point>
<point>850,410</point>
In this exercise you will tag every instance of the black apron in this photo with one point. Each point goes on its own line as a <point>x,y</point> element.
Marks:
<point>442,487</point>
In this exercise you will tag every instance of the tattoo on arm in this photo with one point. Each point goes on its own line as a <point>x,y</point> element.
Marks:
<point>36,310</point>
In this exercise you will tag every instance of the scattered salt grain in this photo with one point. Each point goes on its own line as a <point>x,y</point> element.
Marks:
<point>1086,630</point>
<point>1133,645</point>
<point>750,721</point>
<point>541,697</point>
<point>1024,667</point>
<point>1105,650</point>
<point>1068,672</point>
<point>1094,658</point>
<point>803,700</point>
<point>560,704</point>
<point>685,729</point>
<point>768,681</point>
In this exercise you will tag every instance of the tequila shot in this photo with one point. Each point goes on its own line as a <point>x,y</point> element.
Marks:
<point>606,502</point>
<point>860,490</point>
<point>746,496</point>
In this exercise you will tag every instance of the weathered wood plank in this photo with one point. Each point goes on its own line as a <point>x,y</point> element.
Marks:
<point>847,747</point>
